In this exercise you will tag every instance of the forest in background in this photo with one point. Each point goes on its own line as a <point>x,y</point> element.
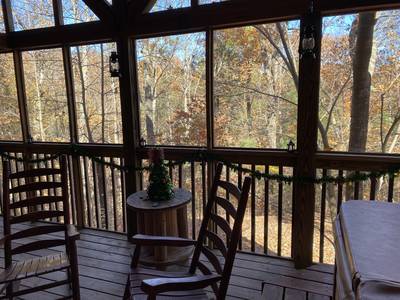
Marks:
<point>255,82</point>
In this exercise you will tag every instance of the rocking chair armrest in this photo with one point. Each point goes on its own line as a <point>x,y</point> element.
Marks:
<point>72,233</point>
<point>156,286</point>
<point>153,240</point>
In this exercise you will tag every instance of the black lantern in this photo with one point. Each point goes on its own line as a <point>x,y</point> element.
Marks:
<point>290,146</point>
<point>114,65</point>
<point>142,142</point>
<point>307,45</point>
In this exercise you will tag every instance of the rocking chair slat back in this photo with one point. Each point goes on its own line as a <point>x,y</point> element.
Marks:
<point>38,194</point>
<point>33,207</point>
<point>222,266</point>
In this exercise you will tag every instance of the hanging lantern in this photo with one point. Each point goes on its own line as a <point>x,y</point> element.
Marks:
<point>142,142</point>
<point>308,44</point>
<point>114,65</point>
<point>291,146</point>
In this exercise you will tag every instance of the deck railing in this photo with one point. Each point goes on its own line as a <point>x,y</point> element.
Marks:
<point>97,192</point>
<point>329,197</point>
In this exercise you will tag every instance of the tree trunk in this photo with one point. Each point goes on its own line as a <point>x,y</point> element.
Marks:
<point>361,82</point>
<point>39,93</point>
<point>83,91</point>
<point>362,37</point>
<point>149,103</point>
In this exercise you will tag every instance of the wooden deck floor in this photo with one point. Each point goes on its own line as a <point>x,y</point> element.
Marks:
<point>104,263</point>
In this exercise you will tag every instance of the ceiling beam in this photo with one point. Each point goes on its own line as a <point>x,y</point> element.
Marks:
<point>241,12</point>
<point>216,15</point>
<point>102,9</point>
<point>58,36</point>
<point>197,18</point>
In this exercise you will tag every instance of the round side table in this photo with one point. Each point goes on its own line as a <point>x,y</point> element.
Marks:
<point>164,218</point>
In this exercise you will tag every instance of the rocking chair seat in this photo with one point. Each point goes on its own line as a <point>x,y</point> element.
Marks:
<point>34,267</point>
<point>138,275</point>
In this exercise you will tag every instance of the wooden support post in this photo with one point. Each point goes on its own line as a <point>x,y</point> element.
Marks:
<point>129,107</point>
<point>21,93</point>
<point>210,116</point>
<point>77,196</point>
<point>307,133</point>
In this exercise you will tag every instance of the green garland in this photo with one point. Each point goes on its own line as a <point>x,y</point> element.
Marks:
<point>203,156</point>
<point>7,156</point>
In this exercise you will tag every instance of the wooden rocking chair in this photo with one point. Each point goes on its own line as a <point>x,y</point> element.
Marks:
<point>21,240</point>
<point>145,283</point>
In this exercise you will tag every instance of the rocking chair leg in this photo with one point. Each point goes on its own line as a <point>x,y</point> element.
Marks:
<point>9,291</point>
<point>11,288</point>
<point>69,277</point>
<point>74,274</point>
<point>127,293</point>
<point>75,285</point>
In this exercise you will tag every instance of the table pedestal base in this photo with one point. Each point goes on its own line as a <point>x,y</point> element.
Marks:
<point>171,222</point>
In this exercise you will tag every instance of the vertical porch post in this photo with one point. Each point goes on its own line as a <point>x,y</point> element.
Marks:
<point>307,134</point>
<point>129,105</point>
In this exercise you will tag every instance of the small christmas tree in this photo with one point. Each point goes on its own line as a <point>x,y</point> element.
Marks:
<point>160,187</point>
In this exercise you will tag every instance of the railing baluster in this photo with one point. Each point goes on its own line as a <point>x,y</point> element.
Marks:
<point>37,165</point>
<point>57,204</point>
<point>372,194</point>
<point>227,193</point>
<point>266,210</point>
<point>390,188</point>
<point>240,180</point>
<point>123,196</point>
<point>88,195</point>
<point>322,219</point>
<point>95,186</point>
<point>52,191</point>
<point>71,192</point>
<point>204,184</point>
<point>13,198</point>
<point>356,188</point>
<point>180,176</point>
<point>114,196</point>
<point>280,212</point>
<point>253,210</point>
<point>19,211</point>
<point>19,167</point>
<point>105,198</point>
<point>141,177</point>
<point>171,173</point>
<point>193,187</point>
<point>340,193</point>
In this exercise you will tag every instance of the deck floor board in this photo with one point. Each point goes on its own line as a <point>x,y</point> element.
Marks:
<point>104,264</point>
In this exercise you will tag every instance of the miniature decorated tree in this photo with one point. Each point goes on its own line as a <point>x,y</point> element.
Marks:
<point>160,187</point>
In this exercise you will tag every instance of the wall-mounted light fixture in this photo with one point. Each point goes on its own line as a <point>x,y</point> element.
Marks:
<point>115,69</point>
<point>291,146</point>
<point>307,46</point>
<point>142,142</point>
